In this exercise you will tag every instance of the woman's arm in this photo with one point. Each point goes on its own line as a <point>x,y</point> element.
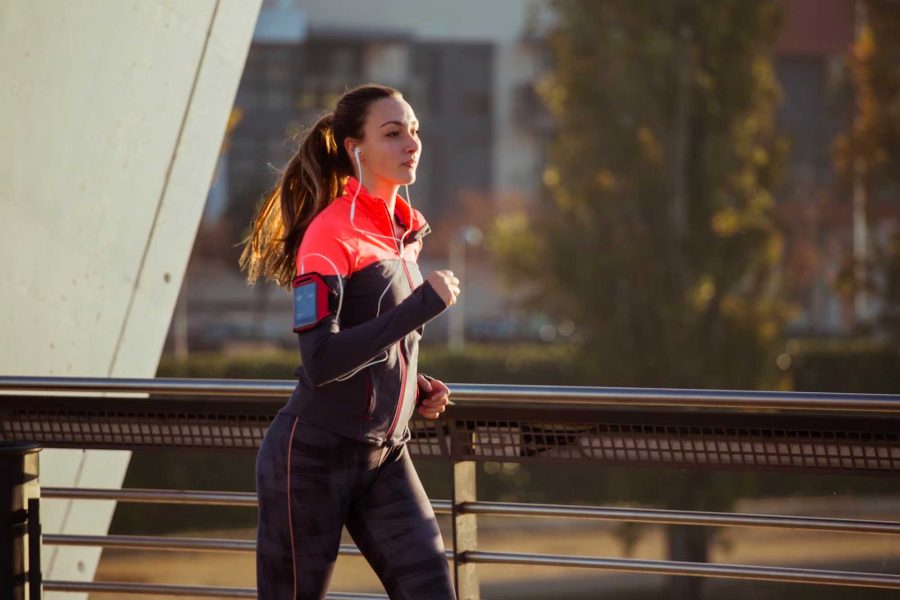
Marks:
<point>329,352</point>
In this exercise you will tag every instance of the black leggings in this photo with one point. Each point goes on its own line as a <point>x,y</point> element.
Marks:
<point>310,483</point>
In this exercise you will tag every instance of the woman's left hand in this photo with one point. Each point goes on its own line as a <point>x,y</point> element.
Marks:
<point>437,396</point>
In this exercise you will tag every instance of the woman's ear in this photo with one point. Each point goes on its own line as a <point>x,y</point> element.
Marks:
<point>350,145</point>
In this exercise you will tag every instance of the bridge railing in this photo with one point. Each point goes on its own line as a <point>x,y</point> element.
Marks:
<point>686,429</point>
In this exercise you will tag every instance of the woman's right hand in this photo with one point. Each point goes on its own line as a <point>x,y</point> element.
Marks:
<point>446,285</point>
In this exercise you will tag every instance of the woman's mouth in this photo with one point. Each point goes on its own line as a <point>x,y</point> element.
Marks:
<point>410,164</point>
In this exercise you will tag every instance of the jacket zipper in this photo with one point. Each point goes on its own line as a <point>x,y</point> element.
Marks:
<point>398,409</point>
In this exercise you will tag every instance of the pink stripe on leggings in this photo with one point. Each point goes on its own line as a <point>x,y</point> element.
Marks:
<point>290,520</point>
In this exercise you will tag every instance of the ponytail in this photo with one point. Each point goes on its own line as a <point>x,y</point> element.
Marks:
<point>311,181</point>
<point>313,178</point>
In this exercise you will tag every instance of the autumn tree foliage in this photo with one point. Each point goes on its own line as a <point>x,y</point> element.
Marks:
<point>869,153</point>
<point>874,137</point>
<point>656,236</point>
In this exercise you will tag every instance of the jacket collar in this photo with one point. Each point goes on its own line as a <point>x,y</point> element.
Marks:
<point>376,207</point>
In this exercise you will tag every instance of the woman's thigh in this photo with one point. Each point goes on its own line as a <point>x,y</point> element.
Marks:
<point>394,527</point>
<point>303,489</point>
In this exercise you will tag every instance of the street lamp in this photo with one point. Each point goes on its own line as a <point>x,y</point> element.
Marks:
<point>467,235</point>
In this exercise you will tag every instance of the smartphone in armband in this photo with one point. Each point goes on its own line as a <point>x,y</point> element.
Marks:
<point>310,301</point>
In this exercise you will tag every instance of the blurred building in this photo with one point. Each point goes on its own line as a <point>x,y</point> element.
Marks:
<point>462,66</point>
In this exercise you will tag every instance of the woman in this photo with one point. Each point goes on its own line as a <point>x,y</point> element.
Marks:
<point>335,455</point>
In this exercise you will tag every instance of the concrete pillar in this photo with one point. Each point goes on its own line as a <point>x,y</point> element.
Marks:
<point>113,112</point>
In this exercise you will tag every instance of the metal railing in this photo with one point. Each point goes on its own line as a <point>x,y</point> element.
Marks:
<point>692,429</point>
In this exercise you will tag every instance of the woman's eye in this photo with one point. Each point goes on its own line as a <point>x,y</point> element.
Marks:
<point>393,134</point>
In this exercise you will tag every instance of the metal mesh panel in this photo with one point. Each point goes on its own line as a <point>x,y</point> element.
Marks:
<point>675,438</point>
<point>675,445</point>
<point>97,429</point>
<point>428,439</point>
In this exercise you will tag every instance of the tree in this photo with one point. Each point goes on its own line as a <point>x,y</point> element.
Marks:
<point>868,156</point>
<point>875,68</point>
<point>656,236</point>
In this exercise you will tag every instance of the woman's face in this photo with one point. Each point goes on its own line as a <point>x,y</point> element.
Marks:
<point>390,148</point>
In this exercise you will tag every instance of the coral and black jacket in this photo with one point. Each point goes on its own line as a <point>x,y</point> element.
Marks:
<point>385,306</point>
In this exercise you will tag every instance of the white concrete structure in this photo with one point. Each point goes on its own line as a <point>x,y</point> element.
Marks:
<point>113,112</point>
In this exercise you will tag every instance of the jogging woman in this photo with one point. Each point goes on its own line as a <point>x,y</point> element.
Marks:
<point>337,232</point>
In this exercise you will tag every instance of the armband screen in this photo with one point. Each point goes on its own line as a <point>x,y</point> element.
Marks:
<point>310,301</point>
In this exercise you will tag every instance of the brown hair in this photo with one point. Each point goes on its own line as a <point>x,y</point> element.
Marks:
<point>312,179</point>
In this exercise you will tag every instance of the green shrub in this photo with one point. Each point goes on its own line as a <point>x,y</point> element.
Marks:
<point>534,364</point>
<point>844,365</point>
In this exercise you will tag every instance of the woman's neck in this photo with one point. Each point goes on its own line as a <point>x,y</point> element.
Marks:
<point>382,189</point>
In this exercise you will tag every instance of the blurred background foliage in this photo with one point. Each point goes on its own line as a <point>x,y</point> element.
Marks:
<point>656,235</point>
<point>868,155</point>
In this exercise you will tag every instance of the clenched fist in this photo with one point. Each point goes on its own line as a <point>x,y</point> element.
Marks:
<point>437,397</point>
<point>446,285</point>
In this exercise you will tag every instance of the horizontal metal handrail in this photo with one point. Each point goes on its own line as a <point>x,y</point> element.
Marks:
<point>154,589</point>
<point>180,590</point>
<point>265,388</point>
<point>143,542</point>
<point>758,573</point>
<point>512,509</point>
<point>481,394</point>
<point>187,544</point>
<point>663,567</point>
<point>790,575</point>
<point>190,497</point>
<point>680,517</point>
<point>153,496</point>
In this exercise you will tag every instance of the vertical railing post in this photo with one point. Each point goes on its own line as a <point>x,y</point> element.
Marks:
<point>35,575</point>
<point>465,526</point>
<point>19,490</point>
